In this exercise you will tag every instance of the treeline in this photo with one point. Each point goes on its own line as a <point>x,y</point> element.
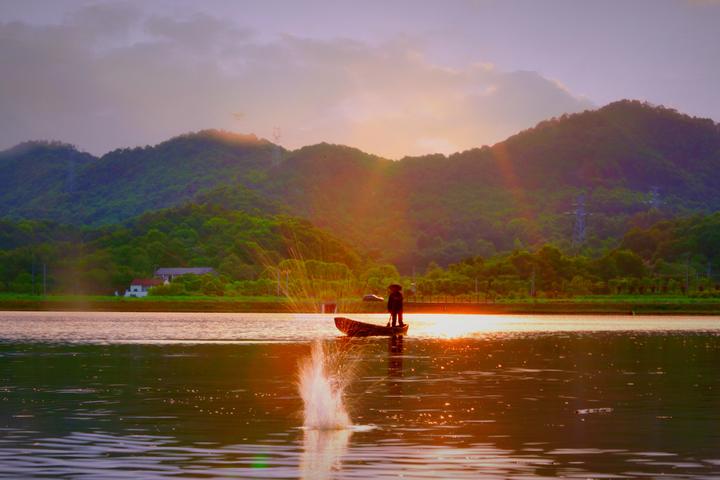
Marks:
<point>289,256</point>
<point>241,247</point>
<point>680,256</point>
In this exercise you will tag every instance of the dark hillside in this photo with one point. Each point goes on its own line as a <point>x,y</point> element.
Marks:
<point>520,191</point>
<point>37,177</point>
<point>625,160</point>
<point>625,144</point>
<point>125,183</point>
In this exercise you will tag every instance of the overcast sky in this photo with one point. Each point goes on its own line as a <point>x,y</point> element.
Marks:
<point>393,78</point>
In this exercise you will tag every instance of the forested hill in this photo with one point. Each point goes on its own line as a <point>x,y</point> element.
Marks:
<point>627,158</point>
<point>625,144</point>
<point>33,173</point>
<point>55,181</point>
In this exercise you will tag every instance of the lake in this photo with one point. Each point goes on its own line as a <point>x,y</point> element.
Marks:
<point>149,395</point>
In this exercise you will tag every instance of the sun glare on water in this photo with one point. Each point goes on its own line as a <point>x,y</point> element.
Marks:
<point>457,326</point>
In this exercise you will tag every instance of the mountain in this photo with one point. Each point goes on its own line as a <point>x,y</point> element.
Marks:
<point>628,160</point>
<point>625,144</point>
<point>625,164</point>
<point>34,172</point>
<point>62,184</point>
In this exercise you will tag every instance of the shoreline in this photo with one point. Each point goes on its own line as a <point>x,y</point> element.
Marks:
<point>559,307</point>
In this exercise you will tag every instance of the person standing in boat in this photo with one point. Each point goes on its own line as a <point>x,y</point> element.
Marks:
<point>395,304</point>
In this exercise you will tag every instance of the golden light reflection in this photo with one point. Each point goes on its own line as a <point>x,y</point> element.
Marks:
<point>470,325</point>
<point>433,325</point>
<point>457,326</point>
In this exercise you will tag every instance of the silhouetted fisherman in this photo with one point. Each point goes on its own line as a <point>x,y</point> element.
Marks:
<point>395,304</point>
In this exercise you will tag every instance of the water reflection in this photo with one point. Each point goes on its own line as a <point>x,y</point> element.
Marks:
<point>502,405</point>
<point>395,365</point>
<point>178,328</point>
<point>322,453</point>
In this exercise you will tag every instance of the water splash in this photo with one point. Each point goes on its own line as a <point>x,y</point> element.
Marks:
<point>322,454</point>
<point>308,284</point>
<point>322,392</point>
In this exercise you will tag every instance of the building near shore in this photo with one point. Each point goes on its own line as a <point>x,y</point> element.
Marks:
<point>168,274</point>
<point>139,287</point>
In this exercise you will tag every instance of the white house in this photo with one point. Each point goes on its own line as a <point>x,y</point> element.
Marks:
<point>139,287</point>
<point>168,274</point>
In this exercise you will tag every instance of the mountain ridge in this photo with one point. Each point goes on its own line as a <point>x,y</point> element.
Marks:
<point>416,209</point>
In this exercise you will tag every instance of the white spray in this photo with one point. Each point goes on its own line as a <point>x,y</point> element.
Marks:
<point>322,393</point>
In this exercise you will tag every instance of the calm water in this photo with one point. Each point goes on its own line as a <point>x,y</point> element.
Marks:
<point>109,395</point>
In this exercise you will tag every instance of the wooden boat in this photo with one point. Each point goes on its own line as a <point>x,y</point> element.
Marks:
<point>353,328</point>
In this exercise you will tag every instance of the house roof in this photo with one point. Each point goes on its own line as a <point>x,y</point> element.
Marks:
<point>146,282</point>
<point>184,271</point>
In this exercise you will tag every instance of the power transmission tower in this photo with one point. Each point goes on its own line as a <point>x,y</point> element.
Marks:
<point>277,150</point>
<point>654,202</point>
<point>580,214</point>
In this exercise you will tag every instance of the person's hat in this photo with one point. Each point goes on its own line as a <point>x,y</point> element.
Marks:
<point>394,286</point>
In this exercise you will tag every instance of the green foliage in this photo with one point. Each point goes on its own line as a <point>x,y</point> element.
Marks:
<point>280,254</point>
<point>695,238</point>
<point>238,245</point>
<point>549,273</point>
<point>514,195</point>
<point>174,289</point>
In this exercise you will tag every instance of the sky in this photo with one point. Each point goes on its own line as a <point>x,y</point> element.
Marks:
<point>391,77</point>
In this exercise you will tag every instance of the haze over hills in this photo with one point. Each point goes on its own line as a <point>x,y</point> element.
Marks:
<point>411,211</point>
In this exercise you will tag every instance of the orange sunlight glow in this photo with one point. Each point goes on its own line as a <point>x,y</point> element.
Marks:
<point>453,326</point>
<point>514,187</point>
<point>458,326</point>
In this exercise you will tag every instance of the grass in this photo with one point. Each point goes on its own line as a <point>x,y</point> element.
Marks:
<point>580,304</point>
<point>112,298</point>
<point>632,299</point>
<point>644,299</point>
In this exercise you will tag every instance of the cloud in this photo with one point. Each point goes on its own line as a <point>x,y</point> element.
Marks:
<point>704,2</point>
<point>112,76</point>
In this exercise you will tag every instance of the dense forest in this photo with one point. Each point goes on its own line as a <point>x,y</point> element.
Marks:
<point>240,246</point>
<point>289,256</point>
<point>629,181</point>
<point>669,257</point>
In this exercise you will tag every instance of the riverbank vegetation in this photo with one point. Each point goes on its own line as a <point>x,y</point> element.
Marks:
<point>614,201</point>
<point>289,257</point>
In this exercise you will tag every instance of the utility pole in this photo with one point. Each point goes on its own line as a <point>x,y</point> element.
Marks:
<point>687,274</point>
<point>44,279</point>
<point>32,269</point>
<point>414,287</point>
<point>532,283</point>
